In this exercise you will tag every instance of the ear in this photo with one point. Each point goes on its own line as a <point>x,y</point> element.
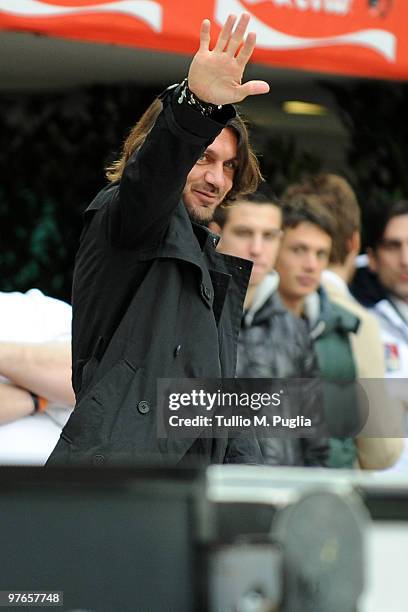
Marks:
<point>214,227</point>
<point>372,260</point>
<point>354,243</point>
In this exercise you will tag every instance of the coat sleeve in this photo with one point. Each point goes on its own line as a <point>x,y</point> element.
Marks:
<point>154,177</point>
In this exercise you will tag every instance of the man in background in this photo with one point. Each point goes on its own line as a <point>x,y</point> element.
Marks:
<point>304,254</point>
<point>383,287</point>
<point>272,342</point>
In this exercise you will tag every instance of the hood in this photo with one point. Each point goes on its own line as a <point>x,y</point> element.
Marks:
<point>365,286</point>
<point>323,316</point>
<point>262,295</point>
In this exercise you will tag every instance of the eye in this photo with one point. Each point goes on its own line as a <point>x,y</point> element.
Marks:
<point>272,235</point>
<point>203,158</point>
<point>391,246</point>
<point>231,164</point>
<point>242,233</point>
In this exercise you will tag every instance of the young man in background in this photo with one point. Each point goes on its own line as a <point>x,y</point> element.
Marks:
<point>304,254</point>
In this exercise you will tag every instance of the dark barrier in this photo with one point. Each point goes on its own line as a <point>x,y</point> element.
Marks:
<point>110,540</point>
<point>228,539</point>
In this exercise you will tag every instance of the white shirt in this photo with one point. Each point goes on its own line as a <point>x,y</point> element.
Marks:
<point>33,317</point>
<point>394,331</point>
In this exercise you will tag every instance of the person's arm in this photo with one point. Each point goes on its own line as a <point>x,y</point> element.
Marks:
<point>43,369</point>
<point>15,403</point>
<point>154,177</point>
<point>380,443</point>
<point>378,453</point>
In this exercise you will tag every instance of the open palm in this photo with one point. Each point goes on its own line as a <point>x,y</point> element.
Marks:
<point>215,76</point>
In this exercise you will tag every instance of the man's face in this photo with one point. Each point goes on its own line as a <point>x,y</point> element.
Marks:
<point>390,259</point>
<point>211,178</point>
<point>253,231</point>
<point>303,255</point>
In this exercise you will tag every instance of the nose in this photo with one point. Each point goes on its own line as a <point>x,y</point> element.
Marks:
<point>255,247</point>
<point>310,261</point>
<point>404,255</point>
<point>215,175</point>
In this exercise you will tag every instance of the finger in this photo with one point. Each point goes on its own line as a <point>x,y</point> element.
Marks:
<point>246,50</point>
<point>238,35</point>
<point>252,88</point>
<point>205,35</point>
<point>225,33</point>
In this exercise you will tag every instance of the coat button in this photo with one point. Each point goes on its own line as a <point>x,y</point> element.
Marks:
<point>98,459</point>
<point>143,407</point>
<point>177,350</point>
<point>206,291</point>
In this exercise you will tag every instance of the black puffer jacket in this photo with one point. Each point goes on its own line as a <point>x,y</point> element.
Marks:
<point>275,344</point>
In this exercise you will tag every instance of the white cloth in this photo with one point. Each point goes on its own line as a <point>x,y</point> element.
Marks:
<point>328,276</point>
<point>33,317</point>
<point>394,330</point>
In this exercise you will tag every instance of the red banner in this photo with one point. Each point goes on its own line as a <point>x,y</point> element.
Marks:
<point>356,37</point>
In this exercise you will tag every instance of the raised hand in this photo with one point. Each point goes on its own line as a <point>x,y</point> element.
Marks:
<point>215,76</point>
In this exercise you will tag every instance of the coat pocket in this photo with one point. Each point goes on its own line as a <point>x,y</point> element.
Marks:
<point>95,415</point>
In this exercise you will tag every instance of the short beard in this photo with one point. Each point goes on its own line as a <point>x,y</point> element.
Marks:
<point>194,218</point>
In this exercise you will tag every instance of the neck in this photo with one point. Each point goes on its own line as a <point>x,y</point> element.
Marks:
<point>341,271</point>
<point>249,298</point>
<point>294,305</point>
<point>347,269</point>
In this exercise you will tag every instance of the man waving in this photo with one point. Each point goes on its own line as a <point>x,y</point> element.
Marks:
<point>151,297</point>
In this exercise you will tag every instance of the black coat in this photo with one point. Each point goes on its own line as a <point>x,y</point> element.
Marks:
<point>151,299</point>
<point>275,344</point>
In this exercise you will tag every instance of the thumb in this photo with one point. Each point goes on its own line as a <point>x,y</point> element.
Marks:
<point>253,88</point>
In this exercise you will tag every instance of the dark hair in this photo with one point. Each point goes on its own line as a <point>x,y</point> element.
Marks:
<point>261,197</point>
<point>307,208</point>
<point>378,218</point>
<point>247,175</point>
<point>338,197</point>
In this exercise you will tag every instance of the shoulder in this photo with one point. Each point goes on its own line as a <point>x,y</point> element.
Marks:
<point>345,318</point>
<point>103,197</point>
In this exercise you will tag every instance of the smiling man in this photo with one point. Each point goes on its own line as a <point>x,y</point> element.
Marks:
<point>151,297</point>
<point>212,177</point>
